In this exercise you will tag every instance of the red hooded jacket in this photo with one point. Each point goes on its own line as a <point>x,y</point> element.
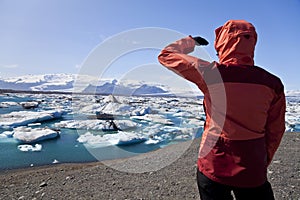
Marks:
<point>244,105</point>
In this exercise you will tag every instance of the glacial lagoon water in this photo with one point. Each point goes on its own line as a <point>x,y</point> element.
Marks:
<point>67,148</point>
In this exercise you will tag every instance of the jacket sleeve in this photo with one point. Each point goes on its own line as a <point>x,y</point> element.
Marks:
<point>275,126</point>
<point>175,58</point>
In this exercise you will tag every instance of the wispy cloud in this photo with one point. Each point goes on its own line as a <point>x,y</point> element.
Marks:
<point>11,66</point>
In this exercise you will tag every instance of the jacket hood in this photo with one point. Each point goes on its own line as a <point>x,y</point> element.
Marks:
<point>235,43</point>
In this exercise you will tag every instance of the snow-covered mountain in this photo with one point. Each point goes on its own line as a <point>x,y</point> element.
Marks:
<point>292,93</point>
<point>88,84</point>
<point>47,82</point>
<point>114,87</point>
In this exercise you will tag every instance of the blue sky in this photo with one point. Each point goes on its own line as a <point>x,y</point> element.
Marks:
<point>56,36</point>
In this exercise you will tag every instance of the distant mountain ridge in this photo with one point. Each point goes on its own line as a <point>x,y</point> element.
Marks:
<point>66,83</point>
<point>292,93</point>
<point>114,88</point>
<point>47,82</point>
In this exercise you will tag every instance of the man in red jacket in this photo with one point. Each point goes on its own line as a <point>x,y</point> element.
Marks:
<point>245,109</point>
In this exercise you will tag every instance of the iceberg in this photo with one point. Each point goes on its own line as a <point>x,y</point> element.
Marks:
<point>23,118</point>
<point>152,141</point>
<point>142,111</point>
<point>185,114</point>
<point>94,124</point>
<point>292,116</point>
<point>28,147</point>
<point>196,122</point>
<point>89,138</point>
<point>155,118</point>
<point>119,139</point>
<point>7,104</point>
<point>116,109</point>
<point>126,138</point>
<point>6,134</point>
<point>111,99</point>
<point>109,107</point>
<point>29,104</point>
<point>31,135</point>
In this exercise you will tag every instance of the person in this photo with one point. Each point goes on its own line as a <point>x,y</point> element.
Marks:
<point>245,112</point>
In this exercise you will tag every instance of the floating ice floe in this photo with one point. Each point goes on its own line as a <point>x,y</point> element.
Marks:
<point>292,127</point>
<point>29,104</point>
<point>195,122</point>
<point>6,134</point>
<point>34,124</point>
<point>152,141</point>
<point>23,118</point>
<point>109,125</point>
<point>292,122</point>
<point>31,135</point>
<point>8,104</point>
<point>126,138</point>
<point>89,108</point>
<point>155,118</point>
<point>184,114</point>
<point>142,111</point>
<point>120,138</point>
<point>158,133</point>
<point>292,116</point>
<point>28,147</point>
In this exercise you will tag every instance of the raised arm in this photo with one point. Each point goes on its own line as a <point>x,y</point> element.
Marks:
<point>175,57</point>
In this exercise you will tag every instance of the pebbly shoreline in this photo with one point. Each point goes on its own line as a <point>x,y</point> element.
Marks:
<point>137,178</point>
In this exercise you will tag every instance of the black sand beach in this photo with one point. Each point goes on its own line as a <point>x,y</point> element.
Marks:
<point>175,181</point>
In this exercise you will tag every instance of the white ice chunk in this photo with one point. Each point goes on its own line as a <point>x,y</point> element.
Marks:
<point>142,111</point>
<point>184,114</point>
<point>23,118</point>
<point>91,139</point>
<point>7,104</point>
<point>97,124</point>
<point>91,108</point>
<point>152,141</point>
<point>29,104</point>
<point>125,124</point>
<point>28,147</point>
<point>125,138</point>
<point>34,124</point>
<point>111,99</point>
<point>3,136</point>
<point>196,122</point>
<point>6,134</point>
<point>55,161</point>
<point>30,135</point>
<point>156,118</point>
<point>117,109</point>
<point>120,138</point>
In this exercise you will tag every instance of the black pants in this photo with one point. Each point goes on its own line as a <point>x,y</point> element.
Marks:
<point>210,190</point>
